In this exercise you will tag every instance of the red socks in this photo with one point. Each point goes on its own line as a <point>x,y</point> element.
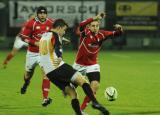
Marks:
<point>85,102</point>
<point>45,88</point>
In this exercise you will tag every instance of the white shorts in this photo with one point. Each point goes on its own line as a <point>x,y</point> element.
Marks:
<point>86,69</point>
<point>18,43</point>
<point>32,59</point>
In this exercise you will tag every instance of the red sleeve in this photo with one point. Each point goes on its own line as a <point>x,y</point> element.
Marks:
<point>51,20</point>
<point>26,32</point>
<point>110,33</point>
<point>102,35</point>
<point>83,24</point>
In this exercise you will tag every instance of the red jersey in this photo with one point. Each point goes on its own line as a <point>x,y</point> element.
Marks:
<point>90,43</point>
<point>33,30</point>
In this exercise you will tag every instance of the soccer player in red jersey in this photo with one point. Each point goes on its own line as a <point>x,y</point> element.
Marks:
<point>31,34</point>
<point>91,39</point>
<point>18,44</point>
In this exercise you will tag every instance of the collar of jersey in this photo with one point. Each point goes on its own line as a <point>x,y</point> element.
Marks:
<point>36,18</point>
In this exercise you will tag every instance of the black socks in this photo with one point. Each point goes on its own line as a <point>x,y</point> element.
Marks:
<point>88,91</point>
<point>76,106</point>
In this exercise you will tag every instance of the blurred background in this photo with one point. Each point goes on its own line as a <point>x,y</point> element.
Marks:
<point>130,63</point>
<point>141,20</point>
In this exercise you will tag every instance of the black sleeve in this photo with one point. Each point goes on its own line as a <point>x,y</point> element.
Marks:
<point>58,46</point>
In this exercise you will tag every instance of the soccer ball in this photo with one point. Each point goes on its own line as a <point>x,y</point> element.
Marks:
<point>111,93</point>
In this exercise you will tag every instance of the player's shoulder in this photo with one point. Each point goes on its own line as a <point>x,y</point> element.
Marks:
<point>55,35</point>
<point>47,35</point>
<point>30,22</point>
<point>51,20</point>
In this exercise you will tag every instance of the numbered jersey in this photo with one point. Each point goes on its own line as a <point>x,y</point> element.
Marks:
<point>50,49</point>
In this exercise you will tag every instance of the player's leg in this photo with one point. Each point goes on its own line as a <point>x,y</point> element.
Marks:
<point>45,87</point>
<point>78,79</point>
<point>64,85</point>
<point>94,79</point>
<point>27,77</point>
<point>74,101</point>
<point>45,90</point>
<point>31,62</point>
<point>81,81</point>
<point>67,73</point>
<point>85,102</point>
<point>82,69</point>
<point>9,57</point>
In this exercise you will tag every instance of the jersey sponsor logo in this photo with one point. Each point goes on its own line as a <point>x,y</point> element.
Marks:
<point>47,28</point>
<point>93,45</point>
<point>91,36</point>
<point>38,27</point>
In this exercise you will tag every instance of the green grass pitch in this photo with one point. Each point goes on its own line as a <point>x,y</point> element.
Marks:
<point>135,75</point>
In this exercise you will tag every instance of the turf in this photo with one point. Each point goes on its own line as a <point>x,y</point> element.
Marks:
<point>135,75</point>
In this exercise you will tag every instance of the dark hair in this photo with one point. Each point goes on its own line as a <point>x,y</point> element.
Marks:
<point>59,23</point>
<point>41,9</point>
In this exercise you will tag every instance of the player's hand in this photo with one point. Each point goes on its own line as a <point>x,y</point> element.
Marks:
<point>57,61</point>
<point>118,27</point>
<point>66,41</point>
<point>99,16</point>
<point>36,44</point>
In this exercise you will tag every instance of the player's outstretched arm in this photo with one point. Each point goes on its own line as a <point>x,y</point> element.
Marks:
<point>65,40</point>
<point>118,30</point>
<point>84,23</point>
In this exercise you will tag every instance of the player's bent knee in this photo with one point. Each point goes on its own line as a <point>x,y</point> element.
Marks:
<point>71,92</point>
<point>81,80</point>
<point>78,79</point>
<point>95,84</point>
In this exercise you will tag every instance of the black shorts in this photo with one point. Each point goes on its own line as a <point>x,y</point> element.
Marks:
<point>61,76</point>
<point>93,76</point>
